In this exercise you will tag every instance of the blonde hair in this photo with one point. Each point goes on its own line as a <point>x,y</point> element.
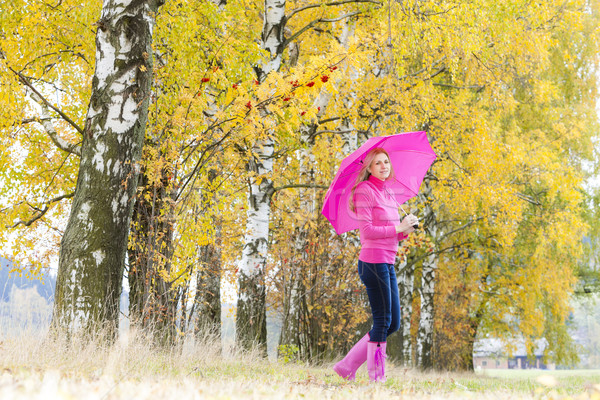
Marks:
<point>364,173</point>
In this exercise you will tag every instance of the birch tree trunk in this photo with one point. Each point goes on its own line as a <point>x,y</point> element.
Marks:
<point>406,273</point>
<point>251,320</point>
<point>427,291</point>
<point>349,134</point>
<point>92,252</point>
<point>425,334</point>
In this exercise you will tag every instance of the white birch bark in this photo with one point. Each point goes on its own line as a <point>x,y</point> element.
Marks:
<point>405,291</point>
<point>93,247</point>
<point>251,328</point>
<point>425,333</point>
<point>349,135</point>
<point>251,320</point>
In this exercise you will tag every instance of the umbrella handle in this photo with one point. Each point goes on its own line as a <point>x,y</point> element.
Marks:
<point>416,226</point>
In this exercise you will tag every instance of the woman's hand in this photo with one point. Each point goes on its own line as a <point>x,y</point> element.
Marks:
<point>406,226</point>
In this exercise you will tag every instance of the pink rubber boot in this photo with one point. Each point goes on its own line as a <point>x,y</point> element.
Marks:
<point>353,360</point>
<point>376,361</point>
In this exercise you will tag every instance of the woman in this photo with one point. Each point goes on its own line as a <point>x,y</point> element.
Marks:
<point>380,231</point>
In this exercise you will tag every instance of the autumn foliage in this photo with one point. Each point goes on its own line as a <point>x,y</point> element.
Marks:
<point>505,90</point>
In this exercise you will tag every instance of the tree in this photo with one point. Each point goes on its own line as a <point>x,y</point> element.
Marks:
<point>195,121</point>
<point>93,246</point>
<point>45,85</point>
<point>509,237</point>
<point>251,318</point>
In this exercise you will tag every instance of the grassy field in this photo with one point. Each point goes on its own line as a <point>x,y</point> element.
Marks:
<point>32,367</point>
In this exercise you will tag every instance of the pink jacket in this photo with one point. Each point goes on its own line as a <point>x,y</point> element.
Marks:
<point>377,213</point>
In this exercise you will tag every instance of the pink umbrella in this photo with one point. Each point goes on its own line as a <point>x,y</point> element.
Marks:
<point>411,156</point>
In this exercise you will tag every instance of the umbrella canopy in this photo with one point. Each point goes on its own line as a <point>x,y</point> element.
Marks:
<point>411,156</point>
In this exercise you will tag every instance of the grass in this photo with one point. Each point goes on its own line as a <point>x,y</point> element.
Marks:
<point>34,367</point>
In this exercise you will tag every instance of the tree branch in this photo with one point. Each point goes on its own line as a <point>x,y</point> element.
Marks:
<point>46,122</point>
<point>482,63</point>
<point>419,72</point>
<point>463,169</point>
<point>333,131</point>
<point>465,226</point>
<point>26,121</point>
<point>207,153</point>
<point>313,23</point>
<point>432,13</point>
<point>43,211</point>
<point>300,185</point>
<point>323,121</point>
<point>477,88</point>
<point>435,73</point>
<point>441,251</point>
<point>334,3</point>
<point>26,82</point>
<point>528,199</point>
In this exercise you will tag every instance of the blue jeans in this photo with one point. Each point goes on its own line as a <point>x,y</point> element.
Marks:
<point>382,289</point>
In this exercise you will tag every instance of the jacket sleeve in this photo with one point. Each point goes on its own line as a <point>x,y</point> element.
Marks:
<point>364,202</point>
<point>402,236</point>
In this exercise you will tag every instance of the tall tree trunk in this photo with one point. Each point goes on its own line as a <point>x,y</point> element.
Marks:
<point>251,321</point>
<point>474,323</point>
<point>468,356</point>
<point>251,317</point>
<point>425,332</point>
<point>207,302</point>
<point>138,276</point>
<point>92,252</point>
<point>152,301</point>
<point>293,293</point>
<point>406,272</point>
<point>292,333</point>
<point>349,134</point>
<point>208,290</point>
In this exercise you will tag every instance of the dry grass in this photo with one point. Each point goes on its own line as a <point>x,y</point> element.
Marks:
<point>34,367</point>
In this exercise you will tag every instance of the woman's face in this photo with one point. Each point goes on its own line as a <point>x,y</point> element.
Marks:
<point>380,167</point>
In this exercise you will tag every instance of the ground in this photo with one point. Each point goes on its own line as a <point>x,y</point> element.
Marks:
<point>33,367</point>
